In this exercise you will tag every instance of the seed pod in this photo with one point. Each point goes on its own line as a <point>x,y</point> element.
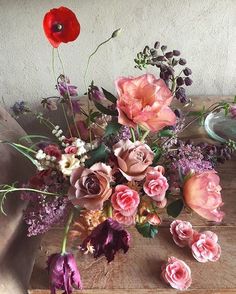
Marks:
<point>157,45</point>
<point>182,61</point>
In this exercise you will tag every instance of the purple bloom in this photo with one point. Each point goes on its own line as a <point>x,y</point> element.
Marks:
<point>96,94</point>
<point>233,111</point>
<point>107,238</point>
<point>64,87</point>
<point>19,108</point>
<point>63,273</point>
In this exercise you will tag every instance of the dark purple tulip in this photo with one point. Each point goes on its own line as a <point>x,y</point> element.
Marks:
<point>107,238</point>
<point>63,273</point>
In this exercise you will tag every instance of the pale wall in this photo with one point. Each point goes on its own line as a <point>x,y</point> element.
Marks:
<point>204,30</point>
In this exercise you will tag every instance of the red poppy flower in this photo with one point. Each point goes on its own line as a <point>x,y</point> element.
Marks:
<point>61,26</point>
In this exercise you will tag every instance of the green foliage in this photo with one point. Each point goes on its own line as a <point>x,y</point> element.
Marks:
<point>166,133</point>
<point>96,155</point>
<point>141,61</point>
<point>109,96</point>
<point>105,110</point>
<point>175,208</point>
<point>146,230</point>
<point>157,153</point>
<point>28,138</point>
<point>112,128</point>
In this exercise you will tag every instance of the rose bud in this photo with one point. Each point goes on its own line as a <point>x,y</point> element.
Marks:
<point>177,273</point>
<point>153,219</point>
<point>63,273</point>
<point>202,194</point>
<point>107,238</point>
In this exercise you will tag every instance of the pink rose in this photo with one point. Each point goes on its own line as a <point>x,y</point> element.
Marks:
<point>202,194</point>
<point>123,220</point>
<point>161,204</point>
<point>90,187</point>
<point>125,200</point>
<point>233,111</point>
<point>144,101</point>
<point>133,159</point>
<point>177,273</point>
<point>182,232</point>
<point>71,150</point>
<point>155,184</point>
<point>205,247</point>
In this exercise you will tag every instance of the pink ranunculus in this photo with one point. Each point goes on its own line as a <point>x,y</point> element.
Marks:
<point>144,101</point>
<point>133,159</point>
<point>123,220</point>
<point>202,194</point>
<point>182,232</point>
<point>125,200</point>
<point>155,184</point>
<point>204,246</point>
<point>177,273</point>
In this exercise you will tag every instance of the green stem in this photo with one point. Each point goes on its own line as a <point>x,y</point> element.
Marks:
<point>67,227</point>
<point>144,135</point>
<point>109,211</point>
<point>11,189</point>
<point>132,134</point>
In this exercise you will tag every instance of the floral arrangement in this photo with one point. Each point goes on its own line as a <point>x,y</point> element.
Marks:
<point>119,161</point>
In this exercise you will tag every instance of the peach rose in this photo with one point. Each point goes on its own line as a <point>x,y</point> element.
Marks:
<point>125,200</point>
<point>182,232</point>
<point>123,220</point>
<point>144,101</point>
<point>90,187</point>
<point>177,273</point>
<point>202,194</point>
<point>205,247</point>
<point>133,159</point>
<point>155,184</point>
<point>153,219</point>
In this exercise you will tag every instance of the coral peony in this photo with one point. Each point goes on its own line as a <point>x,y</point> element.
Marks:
<point>202,194</point>
<point>144,101</point>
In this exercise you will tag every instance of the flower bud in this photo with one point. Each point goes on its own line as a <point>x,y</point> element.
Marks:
<point>187,71</point>
<point>116,33</point>
<point>157,45</point>
<point>182,61</point>
<point>180,81</point>
<point>176,52</point>
<point>169,54</point>
<point>188,81</point>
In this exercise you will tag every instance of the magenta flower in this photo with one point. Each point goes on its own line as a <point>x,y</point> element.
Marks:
<point>63,273</point>
<point>64,87</point>
<point>107,238</point>
<point>233,111</point>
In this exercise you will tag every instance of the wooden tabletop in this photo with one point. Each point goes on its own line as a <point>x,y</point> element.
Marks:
<point>138,271</point>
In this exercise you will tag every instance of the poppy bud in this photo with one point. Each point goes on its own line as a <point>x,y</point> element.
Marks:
<point>116,33</point>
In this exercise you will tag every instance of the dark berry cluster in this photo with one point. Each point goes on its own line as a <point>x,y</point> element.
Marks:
<point>167,61</point>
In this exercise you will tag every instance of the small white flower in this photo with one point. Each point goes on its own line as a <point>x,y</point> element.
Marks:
<point>40,155</point>
<point>68,163</point>
<point>57,127</point>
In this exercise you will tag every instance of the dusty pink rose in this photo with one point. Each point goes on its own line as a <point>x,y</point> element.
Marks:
<point>133,159</point>
<point>205,247</point>
<point>202,194</point>
<point>125,200</point>
<point>123,220</point>
<point>177,273</point>
<point>90,187</point>
<point>144,101</point>
<point>155,184</point>
<point>182,232</point>
<point>71,150</point>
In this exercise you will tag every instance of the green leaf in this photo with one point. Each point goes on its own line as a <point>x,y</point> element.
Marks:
<point>105,110</point>
<point>29,137</point>
<point>94,115</point>
<point>175,208</point>
<point>166,133</point>
<point>109,96</point>
<point>146,230</point>
<point>157,154</point>
<point>112,128</point>
<point>97,155</point>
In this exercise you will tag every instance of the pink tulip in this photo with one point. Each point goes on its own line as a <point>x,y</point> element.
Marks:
<point>144,101</point>
<point>202,194</point>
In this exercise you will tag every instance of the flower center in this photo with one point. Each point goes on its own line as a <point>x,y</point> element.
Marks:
<point>58,27</point>
<point>139,155</point>
<point>92,184</point>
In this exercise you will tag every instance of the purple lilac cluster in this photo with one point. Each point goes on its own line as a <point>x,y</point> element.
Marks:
<point>43,212</point>
<point>188,157</point>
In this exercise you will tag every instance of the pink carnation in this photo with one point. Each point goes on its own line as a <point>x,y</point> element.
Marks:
<point>182,232</point>
<point>177,273</point>
<point>125,200</point>
<point>205,247</point>
<point>156,184</point>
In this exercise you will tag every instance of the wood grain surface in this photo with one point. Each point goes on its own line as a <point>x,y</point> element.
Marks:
<point>138,271</point>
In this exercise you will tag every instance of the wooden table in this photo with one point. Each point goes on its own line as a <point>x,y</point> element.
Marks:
<point>138,271</point>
